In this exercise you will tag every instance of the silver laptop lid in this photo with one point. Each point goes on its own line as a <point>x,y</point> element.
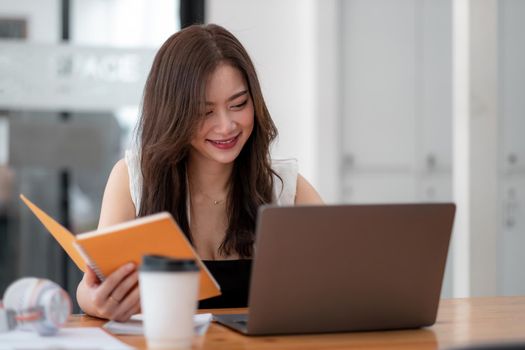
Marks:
<point>348,267</point>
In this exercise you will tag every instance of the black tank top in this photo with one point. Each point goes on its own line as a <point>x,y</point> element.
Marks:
<point>234,278</point>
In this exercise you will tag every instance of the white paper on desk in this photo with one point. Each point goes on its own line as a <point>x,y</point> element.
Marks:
<point>201,323</point>
<point>81,338</point>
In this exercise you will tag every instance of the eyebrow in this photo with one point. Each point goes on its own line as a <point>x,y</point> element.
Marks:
<point>232,97</point>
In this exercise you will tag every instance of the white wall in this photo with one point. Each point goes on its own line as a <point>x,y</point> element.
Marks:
<point>328,94</point>
<point>43,18</point>
<point>483,175</point>
<point>123,23</point>
<point>42,27</point>
<point>285,40</point>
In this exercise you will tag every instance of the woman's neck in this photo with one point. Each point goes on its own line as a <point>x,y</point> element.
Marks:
<point>209,177</point>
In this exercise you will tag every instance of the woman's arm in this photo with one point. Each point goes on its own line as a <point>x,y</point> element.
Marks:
<point>306,193</point>
<point>116,298</point>
<point>117,205</point>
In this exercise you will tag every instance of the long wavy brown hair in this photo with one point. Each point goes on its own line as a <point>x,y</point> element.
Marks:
<point>172,109</point>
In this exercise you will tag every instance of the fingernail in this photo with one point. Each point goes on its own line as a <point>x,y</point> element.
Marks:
<point>130,266</point>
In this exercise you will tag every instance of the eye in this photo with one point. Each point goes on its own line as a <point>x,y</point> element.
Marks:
<point>240,105</point>
<point>208,113</point>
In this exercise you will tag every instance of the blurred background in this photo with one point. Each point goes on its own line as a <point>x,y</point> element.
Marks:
<point>379,100</point>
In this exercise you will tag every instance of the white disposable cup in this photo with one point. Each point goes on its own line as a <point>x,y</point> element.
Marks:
<point>168,298</point>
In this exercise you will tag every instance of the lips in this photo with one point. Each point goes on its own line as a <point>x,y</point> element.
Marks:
<point>225,143</point>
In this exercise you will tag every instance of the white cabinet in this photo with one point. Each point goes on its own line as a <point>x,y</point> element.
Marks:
<point>396,98</point>
<point>379,91</point>
<point>397,102</point>
<point>511,60</point>
<point>397,118</point>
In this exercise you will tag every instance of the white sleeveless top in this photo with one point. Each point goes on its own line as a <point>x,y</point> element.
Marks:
<point>283,192</point>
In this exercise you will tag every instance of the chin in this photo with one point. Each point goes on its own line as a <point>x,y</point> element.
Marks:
<point>223,159</point>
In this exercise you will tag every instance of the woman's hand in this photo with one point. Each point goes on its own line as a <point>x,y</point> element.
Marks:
<point>117,298</point>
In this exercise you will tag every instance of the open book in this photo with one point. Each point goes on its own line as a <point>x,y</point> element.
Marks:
<point>107,249</point>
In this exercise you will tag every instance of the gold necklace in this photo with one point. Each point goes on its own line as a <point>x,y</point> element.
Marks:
<point>214,201</point>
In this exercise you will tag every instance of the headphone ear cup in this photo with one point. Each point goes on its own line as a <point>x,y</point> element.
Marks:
<point>15,296</point>
<point>57,309</point>
<point>49,305</point>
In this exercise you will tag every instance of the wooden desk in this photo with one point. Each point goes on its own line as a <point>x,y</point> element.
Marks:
<point>460,322</point>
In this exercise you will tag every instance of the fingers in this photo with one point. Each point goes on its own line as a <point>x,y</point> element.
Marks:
<point>135,310</point>
<point>113,280</point>
<point>90,278</point>
<point>108,297</point>
<point>129,306</point>
<point>124,287</point>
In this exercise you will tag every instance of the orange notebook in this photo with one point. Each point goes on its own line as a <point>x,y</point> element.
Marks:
<point>107,249</point>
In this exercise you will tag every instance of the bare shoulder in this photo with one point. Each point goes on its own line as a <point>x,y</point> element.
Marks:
<point>117,205</point>
<point>306,193</point>
<point>119,178</point>
<point>120,169</point>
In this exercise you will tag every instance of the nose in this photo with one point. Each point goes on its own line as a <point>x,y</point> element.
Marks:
<point>224,123</point>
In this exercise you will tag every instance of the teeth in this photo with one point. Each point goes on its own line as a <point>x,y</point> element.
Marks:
<point>224,142</point>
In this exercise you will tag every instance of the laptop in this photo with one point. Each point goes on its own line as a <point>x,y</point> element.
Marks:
<point>339,268</point>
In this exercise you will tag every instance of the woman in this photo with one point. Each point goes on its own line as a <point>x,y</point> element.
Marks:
<point>203,155</point>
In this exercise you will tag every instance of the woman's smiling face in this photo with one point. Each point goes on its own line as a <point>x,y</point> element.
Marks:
<point>229,117</point>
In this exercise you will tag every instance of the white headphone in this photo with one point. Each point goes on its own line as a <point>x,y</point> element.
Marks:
<point>37,304</point>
